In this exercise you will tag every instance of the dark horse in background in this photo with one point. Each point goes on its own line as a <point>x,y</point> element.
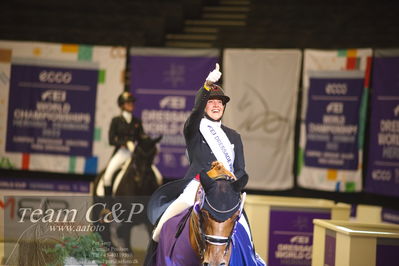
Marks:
<point>135,179</point>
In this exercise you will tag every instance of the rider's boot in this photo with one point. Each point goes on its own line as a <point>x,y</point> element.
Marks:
<point>108,199</point>
<point>151,254</point>
<point>108,191</point>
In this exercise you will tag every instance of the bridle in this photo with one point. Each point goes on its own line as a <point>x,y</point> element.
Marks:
<point>215,239</point>
<point>142,167</point>
<point>140,152</point>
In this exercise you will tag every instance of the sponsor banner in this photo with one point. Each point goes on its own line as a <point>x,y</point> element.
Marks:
<point>291,235</point>
<point>383,149</point>
<point>330,248</point>
<point>44,185</point>
<point>389,215</point>
<point>263,87</point>
<point>11,187</point>
<point>332,123</point>
<point>333,116</point>
<point>59,100</point>
<point>57,230</point>
<point>45,110</point>
<point>165,82</point>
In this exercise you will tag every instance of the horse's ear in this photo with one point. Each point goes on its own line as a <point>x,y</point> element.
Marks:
<point>240,183</point>
<point>206,181</point>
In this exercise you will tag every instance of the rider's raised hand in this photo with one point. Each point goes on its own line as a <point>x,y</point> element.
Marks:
<point>214,76</point>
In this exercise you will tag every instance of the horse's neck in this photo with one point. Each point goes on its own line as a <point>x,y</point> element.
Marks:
<point>195,238</point>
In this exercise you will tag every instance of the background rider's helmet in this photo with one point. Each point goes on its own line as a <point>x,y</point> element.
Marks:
<point>218,93</point>
<point>125,97</point>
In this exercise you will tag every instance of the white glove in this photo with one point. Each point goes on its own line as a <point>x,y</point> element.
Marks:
<point>215,75</point>
<point>130,146</point>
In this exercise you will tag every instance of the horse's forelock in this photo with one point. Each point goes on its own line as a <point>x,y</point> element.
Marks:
<point>146,147</point>
<point>221,200</point>
<point>223,187</point>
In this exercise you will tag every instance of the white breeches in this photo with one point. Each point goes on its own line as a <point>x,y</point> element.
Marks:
<point>121,156</point>
<point>185,200</point>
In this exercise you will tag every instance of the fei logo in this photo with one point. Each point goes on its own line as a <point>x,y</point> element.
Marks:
<point>54,96</point>
<point>299,240</point>
<point>173,102</point>
<point>335,108</point>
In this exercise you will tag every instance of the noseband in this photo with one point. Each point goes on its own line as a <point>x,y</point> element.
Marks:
<point>215,240</point>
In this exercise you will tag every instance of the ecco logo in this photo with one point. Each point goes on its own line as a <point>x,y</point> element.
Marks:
<point>55,77</point>
<point>336,88</point>
<point>381,175</point>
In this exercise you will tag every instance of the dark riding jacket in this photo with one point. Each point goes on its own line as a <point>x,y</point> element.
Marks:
<point>199,153</point>
<point>121,131</point>
<point>200,157</point>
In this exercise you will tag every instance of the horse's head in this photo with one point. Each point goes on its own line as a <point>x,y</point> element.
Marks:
<point>145,152</point>
<point>218,212</point>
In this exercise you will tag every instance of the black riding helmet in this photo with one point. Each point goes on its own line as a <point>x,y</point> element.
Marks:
<point>218,93</point>
<point>125,97</point>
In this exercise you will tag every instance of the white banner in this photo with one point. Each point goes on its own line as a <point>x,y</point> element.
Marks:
<point>57,101</point>
<point>263,86</point>
<point>335,89</point>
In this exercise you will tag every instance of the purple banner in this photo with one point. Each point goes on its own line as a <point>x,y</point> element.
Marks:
<point>51,110</point>
<point>329,248</point>
<point>387,251</point>
<point>390,215</point>
<point>332,123</point>
<point>8,183</point>
<point>291,235</point>
<point>383,154</point>
<point>165,86</point>
<point>353,212</point>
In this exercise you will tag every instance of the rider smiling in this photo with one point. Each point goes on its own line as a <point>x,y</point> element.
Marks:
<point>207,141</point>
<point>125,129</point>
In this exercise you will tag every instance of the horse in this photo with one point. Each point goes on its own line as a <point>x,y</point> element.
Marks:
<point>137,177</point>
<point>209,232</point>
<point>146,177</point>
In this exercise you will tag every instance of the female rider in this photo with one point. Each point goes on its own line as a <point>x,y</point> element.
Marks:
<point>125,129</point>
<point>200,128</point>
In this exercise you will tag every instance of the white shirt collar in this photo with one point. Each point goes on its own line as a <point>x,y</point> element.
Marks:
<point>127,116</point>
<point>215,123</point>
